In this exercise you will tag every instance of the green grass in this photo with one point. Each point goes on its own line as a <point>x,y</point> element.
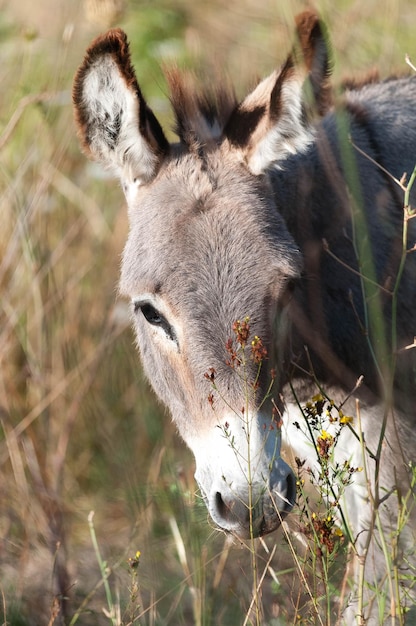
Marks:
<point>79,429</point>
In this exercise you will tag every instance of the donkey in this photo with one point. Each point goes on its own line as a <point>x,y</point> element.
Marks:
<point>280,214</point>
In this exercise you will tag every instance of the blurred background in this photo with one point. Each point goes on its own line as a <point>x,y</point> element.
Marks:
<point>80,430</point>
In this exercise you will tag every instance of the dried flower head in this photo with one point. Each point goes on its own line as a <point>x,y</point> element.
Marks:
<point>258,350</point>
<point>210,374</point>
<point>324,443</point>
<point>241,330</point>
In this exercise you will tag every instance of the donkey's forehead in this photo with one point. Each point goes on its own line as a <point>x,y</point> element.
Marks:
<point>202,220</point>
<point>191,183</point>
<point>200,173</point>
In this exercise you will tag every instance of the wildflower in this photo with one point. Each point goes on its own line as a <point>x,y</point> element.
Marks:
<point>314,407</point>
<point>324,443</point>
<point>134,561</point>
<point>258,350</point>
<point>326,436</point>
<point>345,419</point>
<point>242,331</point>
<point>319,402</point>
<point>233,361</point>
<point>210,374</point>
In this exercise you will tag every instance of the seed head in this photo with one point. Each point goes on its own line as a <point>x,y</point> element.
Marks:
<point>258,350</point>
<point>210,374</point>
<point>241,330</point>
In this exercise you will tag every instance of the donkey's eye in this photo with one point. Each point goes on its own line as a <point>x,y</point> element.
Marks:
<point>153,317</point>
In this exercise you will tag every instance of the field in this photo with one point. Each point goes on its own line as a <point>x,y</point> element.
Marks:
<point>91,468</point>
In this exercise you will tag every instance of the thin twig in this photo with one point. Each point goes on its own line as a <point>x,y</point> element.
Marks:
<point>260,582</point>
<point>351,269</point>
<point>409,63</point>
<point>380,167</point>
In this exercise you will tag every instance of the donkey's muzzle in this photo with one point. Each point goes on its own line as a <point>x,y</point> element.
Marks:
<point>247,486</point>
<point>254,514</point>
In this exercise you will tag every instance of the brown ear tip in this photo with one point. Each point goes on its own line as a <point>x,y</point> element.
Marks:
<point>113,40</point>
<point>115,34</point>
<point>307,20</point>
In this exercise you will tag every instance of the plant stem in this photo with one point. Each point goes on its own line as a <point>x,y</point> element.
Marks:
<point>103,569</point>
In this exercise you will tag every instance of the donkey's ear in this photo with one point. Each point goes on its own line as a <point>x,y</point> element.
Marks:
<point>115,125</point>
<point>275,120</point>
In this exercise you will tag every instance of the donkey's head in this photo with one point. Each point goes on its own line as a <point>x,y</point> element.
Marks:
<point>207,248</point>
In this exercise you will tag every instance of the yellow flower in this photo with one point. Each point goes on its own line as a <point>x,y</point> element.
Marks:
<point>338,532</point>
<point>134,561</point>
<point>318,398</point>
<point>326,436</point>
<point>345,419</point>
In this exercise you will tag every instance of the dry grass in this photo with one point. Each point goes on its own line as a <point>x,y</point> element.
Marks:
<point>80,430</point>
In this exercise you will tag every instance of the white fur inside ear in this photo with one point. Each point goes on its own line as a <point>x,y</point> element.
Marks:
<point>112,109</point>
<point>288,136</point>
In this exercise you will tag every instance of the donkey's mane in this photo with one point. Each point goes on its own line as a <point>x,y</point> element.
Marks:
<point>201,111</point>
<point>353,83</point>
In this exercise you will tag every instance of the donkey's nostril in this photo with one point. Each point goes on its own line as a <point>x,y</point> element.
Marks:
<point>229,512</point>
<point>220,505</point>
<point>291,492</point>
<point>226,510</point>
